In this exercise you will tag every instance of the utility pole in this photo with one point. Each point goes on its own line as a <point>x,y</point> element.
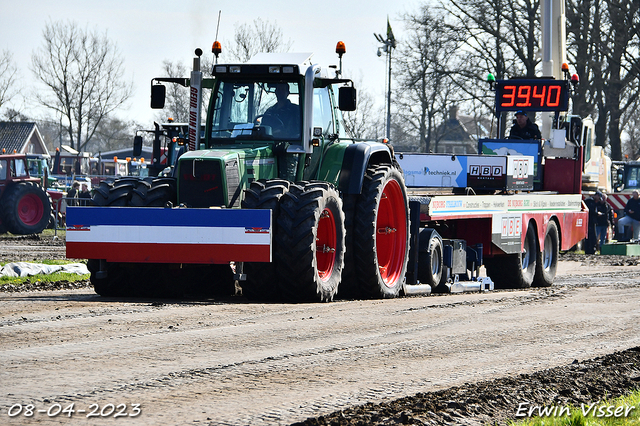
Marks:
<point>388,44</point>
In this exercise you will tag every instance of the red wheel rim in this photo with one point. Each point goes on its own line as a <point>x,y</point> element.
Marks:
<point>391,233</point>
<point>30,209</point>
<point>326,241</point>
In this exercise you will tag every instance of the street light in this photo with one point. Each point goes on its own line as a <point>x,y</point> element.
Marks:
<point>388,44</point>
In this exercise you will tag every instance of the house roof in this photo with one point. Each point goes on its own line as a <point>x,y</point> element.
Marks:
<point>17,135</point>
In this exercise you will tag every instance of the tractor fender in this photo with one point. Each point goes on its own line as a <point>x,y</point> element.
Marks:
<point>357,158</point>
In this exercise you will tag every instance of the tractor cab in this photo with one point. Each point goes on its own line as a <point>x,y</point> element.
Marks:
<point>271,117</point>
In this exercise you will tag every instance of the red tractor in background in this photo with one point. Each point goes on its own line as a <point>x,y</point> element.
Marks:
<point>25,206</point>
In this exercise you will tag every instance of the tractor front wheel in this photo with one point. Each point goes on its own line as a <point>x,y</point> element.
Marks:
<point>310,247</point>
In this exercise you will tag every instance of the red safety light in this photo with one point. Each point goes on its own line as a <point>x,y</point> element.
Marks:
<point>115,159</point>
<point>341,49</point>
<point>565,67</point>
<point>575,79</point>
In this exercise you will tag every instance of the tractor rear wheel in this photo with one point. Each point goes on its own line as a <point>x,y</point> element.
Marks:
<point>261,277</point>
<point>116,193</point>
<point>310,247</point>
<point>154,193</point>
<point>380,235</point>
<point>130,279</point>
<point>25,208</point>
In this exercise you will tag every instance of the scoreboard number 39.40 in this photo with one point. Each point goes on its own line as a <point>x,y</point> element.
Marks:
<point>532,95</point>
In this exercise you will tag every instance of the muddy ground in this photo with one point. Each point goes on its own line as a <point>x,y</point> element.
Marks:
<point>576,378</point>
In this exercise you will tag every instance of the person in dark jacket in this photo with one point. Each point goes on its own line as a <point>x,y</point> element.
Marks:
<point>604,218</point>
<point>592,240</point>
<point>632,216</point>
<point>523,128</point>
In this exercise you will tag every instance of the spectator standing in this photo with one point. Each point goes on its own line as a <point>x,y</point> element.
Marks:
<point>632,216</point>
<point>604,218</point>
<point>72,194</point>
<point>84,195</point>
<point>592,240</point>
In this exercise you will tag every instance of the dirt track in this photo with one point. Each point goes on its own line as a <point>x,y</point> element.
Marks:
<point>234,362</point>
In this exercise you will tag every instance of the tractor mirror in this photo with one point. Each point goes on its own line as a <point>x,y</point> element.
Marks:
<point>137,146</point>
<point>347,98</point>
<point>158,94</point>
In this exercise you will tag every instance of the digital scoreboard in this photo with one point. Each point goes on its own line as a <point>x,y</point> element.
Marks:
<point>532,95</point>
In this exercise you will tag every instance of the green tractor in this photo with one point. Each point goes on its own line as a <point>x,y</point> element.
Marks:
<point>316,212</point>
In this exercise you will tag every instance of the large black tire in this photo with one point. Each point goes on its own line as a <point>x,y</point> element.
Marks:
<point>115,284</point>
<point>139,280</point>
<point>430,258</point>
<point>310,247</point>
<point>547,260</point>
<point>25,208</point>
<point>261,277</point>
<point>515,270</point>
<point>154,193</point>
<point>380,235</point>
<point>115,193</point>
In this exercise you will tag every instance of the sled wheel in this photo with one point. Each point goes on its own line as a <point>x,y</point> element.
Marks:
<point>310,238</point>
<point>430,260</point>
<point>547,261</point>
<point>515,270</point>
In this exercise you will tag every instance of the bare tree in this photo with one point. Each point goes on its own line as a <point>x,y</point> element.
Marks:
<point>113,134</point>
<point>8,75</point>
<point>632,133</point>
<point>176,104</point>
<point>366,121</point>
<point>604,38</point>
<point>84,74</point>
<point>426,88</point>
<point>257,37</point>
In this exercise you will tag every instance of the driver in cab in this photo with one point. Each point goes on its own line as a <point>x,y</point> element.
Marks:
<point>523,128</point>
<point>284,116</point>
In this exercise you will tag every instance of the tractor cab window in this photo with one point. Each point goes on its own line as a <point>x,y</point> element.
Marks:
<point>322,116</point>
<point>632,178</point>
<point>256,110</point>
<point>3,170</point>
<point>34,169</point>
<point>21,169</point>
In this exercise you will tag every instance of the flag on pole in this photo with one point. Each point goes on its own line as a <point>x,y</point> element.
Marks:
<point>390,38</point>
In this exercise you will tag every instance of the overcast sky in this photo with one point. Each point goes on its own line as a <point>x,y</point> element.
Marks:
<point>149,31</point>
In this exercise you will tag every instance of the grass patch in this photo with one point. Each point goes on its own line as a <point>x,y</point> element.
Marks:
<point>44,278</point>
<point>50,278</point>
<point>615,412</point>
